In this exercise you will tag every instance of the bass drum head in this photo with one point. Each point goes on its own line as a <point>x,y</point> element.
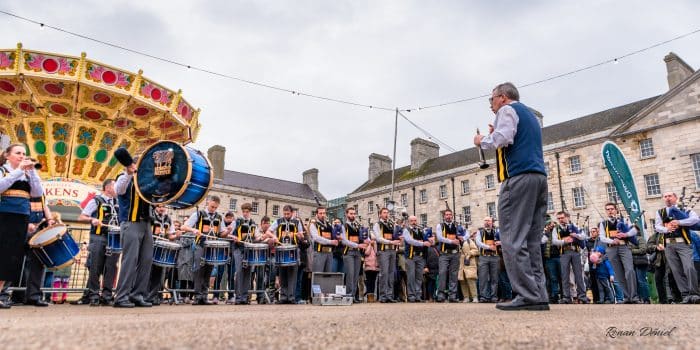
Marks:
<point>163,172</point>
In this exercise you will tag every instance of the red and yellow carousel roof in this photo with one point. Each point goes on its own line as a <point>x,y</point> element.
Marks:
<point>73,112</point>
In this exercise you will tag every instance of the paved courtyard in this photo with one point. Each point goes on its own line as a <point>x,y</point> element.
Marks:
<point>367,326</point>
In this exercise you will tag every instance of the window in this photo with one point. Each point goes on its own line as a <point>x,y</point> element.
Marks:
<point>255,207</point>
<point>696,168</point>
<point>652,183</point>
<point>575,164</point>
<point>443,191</point>
<point>465,187</point>
<point>404,200</point>
<point>646,147</point>
<point>467,213</point>
<point>386,202</point>
<point>232,204</point>
<point>550,202</point>
<point>423,196</point>
<point>275,210</point>
<point>579,199</point>
<point>613,197</point>
<point>370,207</point>
<point>490,183</point>
<point>424,219</point>
<point>491,209</point>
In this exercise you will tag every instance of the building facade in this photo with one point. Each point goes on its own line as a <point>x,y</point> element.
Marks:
<point>267,195</point>
<point>657,135</point>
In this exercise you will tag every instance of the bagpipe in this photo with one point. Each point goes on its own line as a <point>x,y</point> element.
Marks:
<point>682,211</point>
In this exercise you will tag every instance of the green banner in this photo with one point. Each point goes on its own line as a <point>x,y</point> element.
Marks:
<point>623,180</point>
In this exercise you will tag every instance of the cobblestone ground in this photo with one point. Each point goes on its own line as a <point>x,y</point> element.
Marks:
<point>365,326</point>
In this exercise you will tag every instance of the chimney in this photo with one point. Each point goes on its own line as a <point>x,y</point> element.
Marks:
<point>538,115</point>
<point>217,156</point>
<point>677,70</point>
<point>422,151</point>
<point>377,165</point>
<point>310,177</point>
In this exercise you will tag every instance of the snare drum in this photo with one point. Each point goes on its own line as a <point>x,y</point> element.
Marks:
<point>114,241</point>
<point>165,253</point>
<point>255,254</point>
<point>54,247</point>
<point>216,252</point>
<point>174,175</point>
<point>286,255</point>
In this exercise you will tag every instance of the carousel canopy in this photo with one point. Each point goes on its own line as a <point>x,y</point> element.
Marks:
<point>73,112</point>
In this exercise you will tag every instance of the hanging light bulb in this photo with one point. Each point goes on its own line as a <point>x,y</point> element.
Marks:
<point>41,26</point>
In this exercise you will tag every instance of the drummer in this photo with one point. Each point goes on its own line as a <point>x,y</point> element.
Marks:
<point>288,231</point>
<point>243,232</point>
<point>102,210</point>
<point>162,228</point>
<point>185,258</point>
<point>205,224</point>
<point>18,182</point>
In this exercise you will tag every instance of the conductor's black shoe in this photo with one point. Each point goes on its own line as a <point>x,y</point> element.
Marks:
<point>123,304</point>
<point>519,305</point>
<point>39,303</point>
<point>202,301</point>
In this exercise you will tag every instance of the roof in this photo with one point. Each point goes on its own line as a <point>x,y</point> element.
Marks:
<point>551,134</point>
<point>267,184</point>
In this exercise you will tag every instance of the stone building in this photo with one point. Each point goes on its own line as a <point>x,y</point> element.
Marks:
<point>267,195</point>
<point>658,136</point>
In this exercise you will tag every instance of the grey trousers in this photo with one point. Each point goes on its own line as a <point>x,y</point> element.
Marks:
<point>387,269</point>
<point>202,274</point>
<point>351,267</point>
<point>620,257</point>
<point>157,279</point>
<point>414,276</point>
<point>572,260</point>
<point>137,257</point>
<point>449,263</point>
<point>322,262</point>
<point>488,269</point>
<point>522,206</point>
<point>680,259</point>
<point>103,265</point>
<point>288,282</point>
<point>242,276</point>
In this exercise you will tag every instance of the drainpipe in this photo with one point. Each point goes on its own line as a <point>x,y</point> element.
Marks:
<point>414,201</point>
<point>561,190</point>
<point>454,200</point>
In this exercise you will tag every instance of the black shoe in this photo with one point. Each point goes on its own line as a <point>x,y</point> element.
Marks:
<point>95,302</point>
<point>518,305</point>
<point>242,303</point>
<point>123,304</point>
<point>106,302</point>
<point>202,301</point>
<point>584,300</point>
<point>81,301</point>
<point>453,300</point>
<point>5,304</point>
<point>39,303</point>
<point>440,300</point>
<point>565,301</point>
<point>140,303</point>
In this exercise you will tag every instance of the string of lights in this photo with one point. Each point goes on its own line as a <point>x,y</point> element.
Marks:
<point>428,134</point>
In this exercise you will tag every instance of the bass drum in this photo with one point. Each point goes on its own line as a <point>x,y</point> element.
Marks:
<point>173,175</point>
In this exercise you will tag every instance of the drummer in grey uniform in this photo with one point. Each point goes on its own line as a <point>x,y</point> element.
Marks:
<point>205,224</point>
<point>387,244</point>
<point>290,231</point>
<point>415,249</point>
<point>161,227</point>
<point>244,231</point>
<point>102,210</point>
<point>354,242</point>
<point>323,244</point>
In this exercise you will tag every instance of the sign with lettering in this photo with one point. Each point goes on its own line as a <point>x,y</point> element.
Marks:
<point>68,192</point>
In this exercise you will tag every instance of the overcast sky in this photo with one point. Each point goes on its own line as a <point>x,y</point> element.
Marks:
<point>384,53</point>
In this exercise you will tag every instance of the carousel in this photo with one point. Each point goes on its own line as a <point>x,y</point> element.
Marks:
<point>72,113</point>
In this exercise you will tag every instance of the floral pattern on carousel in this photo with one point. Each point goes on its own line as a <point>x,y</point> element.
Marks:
<point>156,93</point>
<point>100,74</point>
<point>61,133</point>
<point>113,161</point>
<point>7,60</point>
<point>50,64</point>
